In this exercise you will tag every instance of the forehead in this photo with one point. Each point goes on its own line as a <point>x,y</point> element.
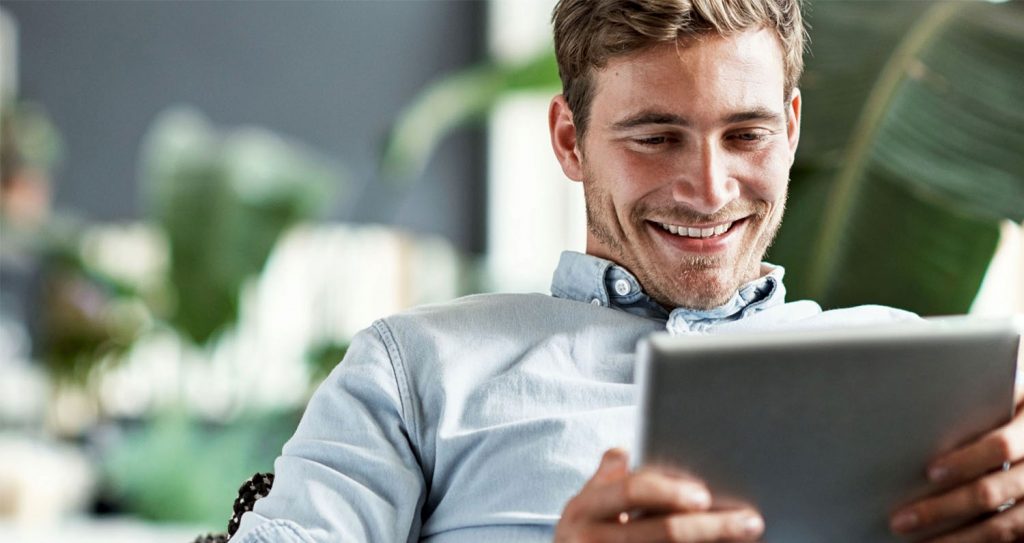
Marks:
<point>708,74</point>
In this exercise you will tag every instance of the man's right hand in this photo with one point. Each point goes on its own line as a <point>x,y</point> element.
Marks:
<point>674,509</point>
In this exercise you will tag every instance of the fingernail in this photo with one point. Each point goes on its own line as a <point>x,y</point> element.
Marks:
<point>752,525</point>
<point>613,460</point>
<point>904,521</point>
<point>938,473</point>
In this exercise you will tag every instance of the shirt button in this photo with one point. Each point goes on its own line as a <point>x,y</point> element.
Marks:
<point>595,301</point>
<point>622,287</point>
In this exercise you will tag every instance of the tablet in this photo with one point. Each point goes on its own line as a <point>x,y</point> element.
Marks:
<point>825,432</point>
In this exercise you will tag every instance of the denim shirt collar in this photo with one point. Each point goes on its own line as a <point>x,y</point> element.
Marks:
<point>597,281</point>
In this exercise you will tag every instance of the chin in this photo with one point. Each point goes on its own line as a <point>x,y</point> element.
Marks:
<point>702,290</point>
<point>702,303</point>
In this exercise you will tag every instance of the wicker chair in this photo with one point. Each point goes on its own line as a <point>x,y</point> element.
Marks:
<point>252,490</point>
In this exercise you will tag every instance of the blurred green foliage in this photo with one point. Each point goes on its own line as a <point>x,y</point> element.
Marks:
<point>910,154</point>
<point>456,100</point>
<point>88,317</point>
<point>323,357</point>
<point>78,315</point>
<point>27,138</point>
<point>220,200</point>
<point>223,201</point>
<point>174,468</point>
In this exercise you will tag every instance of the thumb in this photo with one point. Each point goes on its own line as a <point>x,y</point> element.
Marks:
<point>614,465</point>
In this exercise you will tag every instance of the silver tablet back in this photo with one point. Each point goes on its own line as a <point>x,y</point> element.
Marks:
<point>825,433</point>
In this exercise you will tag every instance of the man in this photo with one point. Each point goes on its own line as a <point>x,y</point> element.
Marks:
<point>483,419</point>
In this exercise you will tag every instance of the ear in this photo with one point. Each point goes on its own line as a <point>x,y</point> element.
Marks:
<point>793,125</point>
<point>563,138</point>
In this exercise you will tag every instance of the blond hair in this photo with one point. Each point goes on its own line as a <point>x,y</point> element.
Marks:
<point>590,32</point>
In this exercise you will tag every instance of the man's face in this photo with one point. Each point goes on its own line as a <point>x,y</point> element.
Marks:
<point>685,163</point>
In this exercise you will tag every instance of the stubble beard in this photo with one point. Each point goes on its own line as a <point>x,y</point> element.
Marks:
<point>695,281</point>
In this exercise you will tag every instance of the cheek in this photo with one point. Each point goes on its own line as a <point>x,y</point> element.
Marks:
<point>644,175</point>
<point>627,177</point>
<point>766,177</point>
<point>638,168</point>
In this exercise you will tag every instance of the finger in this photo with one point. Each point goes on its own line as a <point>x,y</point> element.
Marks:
<point>1005,444</point>
<point>644,489</point>
<point>1006,526</point>
<point>614,465</point>
<point>968,501</point>
<point>743,525</point>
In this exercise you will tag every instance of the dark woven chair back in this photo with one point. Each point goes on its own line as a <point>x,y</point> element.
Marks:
<point>252,490</point>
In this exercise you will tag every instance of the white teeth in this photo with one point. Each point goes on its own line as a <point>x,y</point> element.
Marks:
<point>697,232</point>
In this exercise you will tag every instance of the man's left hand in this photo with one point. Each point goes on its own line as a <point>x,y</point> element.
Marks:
<point>983,499</point>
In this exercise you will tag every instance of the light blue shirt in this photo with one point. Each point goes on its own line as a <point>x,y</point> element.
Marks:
<point>477,420</point>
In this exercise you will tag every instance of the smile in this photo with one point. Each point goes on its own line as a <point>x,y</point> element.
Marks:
<point>698,233</point>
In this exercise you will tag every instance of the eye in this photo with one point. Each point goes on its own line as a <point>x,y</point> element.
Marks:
<point>652,141</point>
<point>748,136</point>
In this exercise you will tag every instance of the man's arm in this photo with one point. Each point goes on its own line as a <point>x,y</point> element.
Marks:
<point>673,509</point>
<point>349,473</point>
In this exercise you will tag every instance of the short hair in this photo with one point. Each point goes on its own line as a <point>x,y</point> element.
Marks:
<point>588,33</point>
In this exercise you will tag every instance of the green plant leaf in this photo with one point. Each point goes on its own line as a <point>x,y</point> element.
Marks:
<point>922,171</point>
<point>453,101</point>
<point>902,250</point>
<point>849,45</point>
<point>173,468</point>
<point>223,201</point>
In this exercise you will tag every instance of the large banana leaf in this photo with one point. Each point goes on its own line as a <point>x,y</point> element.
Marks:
<point>910,156</point>
<point>911,153</point>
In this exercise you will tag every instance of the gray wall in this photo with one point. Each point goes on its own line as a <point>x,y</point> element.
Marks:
<point>331,74</point>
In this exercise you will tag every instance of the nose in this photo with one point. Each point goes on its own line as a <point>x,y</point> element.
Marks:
<point>704,183</point>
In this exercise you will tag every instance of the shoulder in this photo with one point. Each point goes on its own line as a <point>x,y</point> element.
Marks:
<point>501,314</point>
<point>868,314</point>
<point>502,327</point>
<point>476,304</point>
<point>812,317</point>
<point>806,314</point>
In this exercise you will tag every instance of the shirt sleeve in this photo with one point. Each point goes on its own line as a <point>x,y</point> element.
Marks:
<point>350,473</point>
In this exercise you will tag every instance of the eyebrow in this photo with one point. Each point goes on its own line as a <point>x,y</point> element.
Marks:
<point>657,117</point>
<point>756,114</point>
<point>650,117</point>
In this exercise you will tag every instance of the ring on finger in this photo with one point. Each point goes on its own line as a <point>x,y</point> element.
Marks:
<point>1009,503</point>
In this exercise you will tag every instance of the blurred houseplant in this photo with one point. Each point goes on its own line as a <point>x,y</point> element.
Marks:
<point>909,156</point>
<point>47,289</point>
<point>222,201</point>
<point>217,202</point>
